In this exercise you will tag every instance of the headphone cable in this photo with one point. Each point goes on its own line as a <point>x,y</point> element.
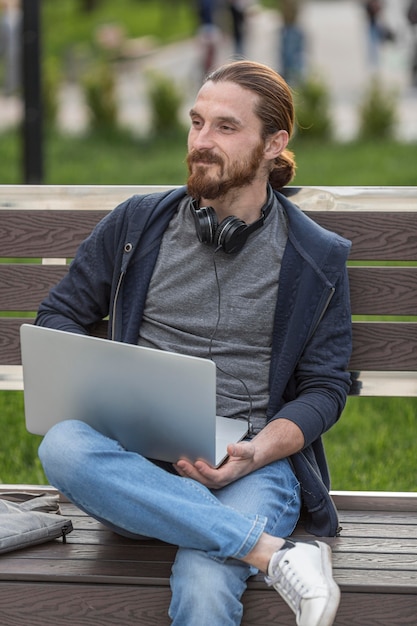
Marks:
<point>213,334</point>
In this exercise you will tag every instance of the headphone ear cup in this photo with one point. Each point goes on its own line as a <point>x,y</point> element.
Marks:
<point>231,234</point>
<point>206,223</point>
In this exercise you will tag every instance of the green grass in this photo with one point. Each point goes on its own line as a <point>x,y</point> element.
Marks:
<point>119,158</point>
<point>372,447</point>
<point>357,163</point>
<point>19,462</point>
<point>116,158</point>
<point>100,158</point>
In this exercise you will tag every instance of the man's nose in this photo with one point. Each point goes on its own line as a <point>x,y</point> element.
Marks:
<point>203,139</point>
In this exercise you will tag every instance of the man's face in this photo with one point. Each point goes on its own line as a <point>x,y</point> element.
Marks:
<point>225,149</point>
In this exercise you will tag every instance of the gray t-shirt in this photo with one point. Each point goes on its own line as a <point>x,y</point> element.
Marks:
<point>221,306</point>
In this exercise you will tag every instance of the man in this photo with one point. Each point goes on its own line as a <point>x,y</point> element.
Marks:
<point>229,270</point>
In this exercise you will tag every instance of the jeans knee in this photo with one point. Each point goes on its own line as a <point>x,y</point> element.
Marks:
<point>56,452</point>
<point>206,591</point>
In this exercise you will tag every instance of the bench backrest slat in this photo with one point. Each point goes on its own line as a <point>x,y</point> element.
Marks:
<point>40,234</point>
<point>389,235</point>
<point>23,287</point>
<point>374,290</point>
<point>376,236</point>
<point>377,347</point>
<point>386,346</point>
<point>49,222</point>
<point>383,290</point>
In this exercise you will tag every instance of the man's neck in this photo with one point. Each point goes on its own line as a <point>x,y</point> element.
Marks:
<point>245,203</point>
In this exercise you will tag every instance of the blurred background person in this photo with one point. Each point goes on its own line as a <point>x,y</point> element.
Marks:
<point>412,19</point>
<point>208,34</point>
<point>378,31</point>
<point>373,10</point>
<point>292,47</point>
<point>10,45</point>
<point>238,11</point>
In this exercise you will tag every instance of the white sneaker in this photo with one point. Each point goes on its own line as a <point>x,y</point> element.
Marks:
<point>302,575</point>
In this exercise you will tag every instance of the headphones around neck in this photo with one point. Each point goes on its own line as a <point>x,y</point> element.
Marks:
<point>231,233</point>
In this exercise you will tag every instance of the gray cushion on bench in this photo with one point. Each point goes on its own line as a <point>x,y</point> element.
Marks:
<point>26,520</point>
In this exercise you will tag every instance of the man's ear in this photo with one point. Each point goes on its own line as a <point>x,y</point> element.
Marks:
<point>275,144</point>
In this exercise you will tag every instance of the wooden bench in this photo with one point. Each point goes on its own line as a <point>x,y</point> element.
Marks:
<point>98,578</point>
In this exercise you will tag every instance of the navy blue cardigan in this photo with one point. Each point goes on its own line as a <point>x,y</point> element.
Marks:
<point>311,344</point>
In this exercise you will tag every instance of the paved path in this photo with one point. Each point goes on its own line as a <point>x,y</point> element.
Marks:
<point>337,53</point>
<point>338,41</point>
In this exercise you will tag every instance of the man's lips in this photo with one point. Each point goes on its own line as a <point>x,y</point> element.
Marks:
<point>199,158</point>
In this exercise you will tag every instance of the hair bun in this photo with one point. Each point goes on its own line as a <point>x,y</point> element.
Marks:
<point>284,170</point>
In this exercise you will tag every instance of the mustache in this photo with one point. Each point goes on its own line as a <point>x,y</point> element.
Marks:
<point>204,156</point>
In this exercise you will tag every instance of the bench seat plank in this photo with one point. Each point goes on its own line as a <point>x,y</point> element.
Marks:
<point>374,518</point>
<point>386,501</point>
<point>138,566</point>
<point>372,553</point>
<point>352,545</point>
<point>93,605</point>
<point>67,604</point>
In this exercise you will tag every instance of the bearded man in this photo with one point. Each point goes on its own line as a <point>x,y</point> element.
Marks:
<point>225,268</point>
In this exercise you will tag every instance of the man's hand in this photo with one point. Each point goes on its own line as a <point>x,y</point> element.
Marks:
<point>279,439</point>
<point>241,461</point>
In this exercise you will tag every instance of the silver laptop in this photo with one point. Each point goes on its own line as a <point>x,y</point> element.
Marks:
<point>159,404</point>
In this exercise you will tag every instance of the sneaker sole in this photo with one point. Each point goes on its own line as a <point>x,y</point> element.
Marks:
<point>330,611</point>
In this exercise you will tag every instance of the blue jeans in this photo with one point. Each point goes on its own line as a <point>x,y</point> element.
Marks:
<point>135,497</point>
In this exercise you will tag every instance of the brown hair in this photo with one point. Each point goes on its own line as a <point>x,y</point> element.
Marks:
<point>275,107</point>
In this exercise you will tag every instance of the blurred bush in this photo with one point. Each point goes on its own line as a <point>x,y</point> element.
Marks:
<point>377,112</point>
<point>312,109</point>
<point>100,93</point>
<point>165,102</point>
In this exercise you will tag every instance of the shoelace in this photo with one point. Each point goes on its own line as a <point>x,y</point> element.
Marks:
<point>293,588</point>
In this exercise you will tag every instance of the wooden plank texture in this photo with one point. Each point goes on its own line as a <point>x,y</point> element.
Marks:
<point>99,578</point>
<point>23,287</point>
<point>375,501</point>
<point>384,346</point>
<point>374,290</point>
<point>376,346</point>
<point>380,221</point>
<point>375,236</point>
<point>92,605</point>
<point>379,552</point>
<point>38,233</point>
<point>40,604</point>
<point>383,290</point>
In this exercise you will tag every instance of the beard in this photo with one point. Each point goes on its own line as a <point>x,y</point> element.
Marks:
<point>203,184</point>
